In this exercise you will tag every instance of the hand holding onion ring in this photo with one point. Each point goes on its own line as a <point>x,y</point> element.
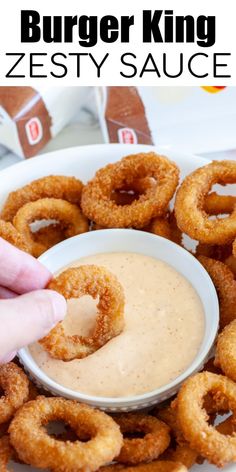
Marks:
<point>96,282</point>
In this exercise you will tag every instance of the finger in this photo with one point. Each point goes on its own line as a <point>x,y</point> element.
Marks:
<point>19,271</point>
<point>28,318</point>
<point>6,293</point>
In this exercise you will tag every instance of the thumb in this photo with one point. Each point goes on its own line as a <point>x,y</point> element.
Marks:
<point>27,319</point>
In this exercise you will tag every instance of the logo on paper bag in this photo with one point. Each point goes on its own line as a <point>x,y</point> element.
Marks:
<point>34,130</point>
<point>127,136</point>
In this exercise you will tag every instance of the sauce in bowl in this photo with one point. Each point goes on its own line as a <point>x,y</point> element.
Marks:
<point>164,329</point>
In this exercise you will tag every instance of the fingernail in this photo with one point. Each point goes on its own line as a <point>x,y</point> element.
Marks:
<point>59,306</point>
<point>8,357</point>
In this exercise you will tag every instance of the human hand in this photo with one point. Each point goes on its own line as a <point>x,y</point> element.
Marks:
<point>27,313</point>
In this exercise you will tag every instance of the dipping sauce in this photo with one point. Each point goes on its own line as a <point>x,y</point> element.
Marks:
<point>164,327</point>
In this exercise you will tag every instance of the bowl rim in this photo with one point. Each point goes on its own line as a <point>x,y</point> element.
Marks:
<point>195,365</point>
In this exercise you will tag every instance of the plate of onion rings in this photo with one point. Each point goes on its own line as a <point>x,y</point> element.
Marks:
<point>203,221</point>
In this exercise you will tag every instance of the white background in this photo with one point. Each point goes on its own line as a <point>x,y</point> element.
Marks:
<point>225,42</point>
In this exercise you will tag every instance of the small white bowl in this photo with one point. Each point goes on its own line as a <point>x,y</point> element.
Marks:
<point>124,240</point>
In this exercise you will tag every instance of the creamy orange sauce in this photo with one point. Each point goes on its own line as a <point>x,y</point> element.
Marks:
<point>164,326</point>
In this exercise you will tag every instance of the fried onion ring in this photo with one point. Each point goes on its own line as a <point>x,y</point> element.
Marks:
<point>50,235</point>
<point>6,453</point>
<point>227,427</point>
<point>138,186</point>
<point>182,451</point>
<point>52,186</point>
<point>182,454</point>
<point>191,216</point>
<point>4,428</point>
<point>35,447</point>
<point>124,198</point>
<point>219,204</point>
<point>168,415</point>
<point>226,350</point>
<point>231,260</point>
<point>204,438</point>
<point>160,226</point>
<point>129,193</point>
<point>49,208</point>
<point>96,282</point>
<point>231,264</point>
<point>166,227</point>
<point>15,386</point>
<point>234,248</point>
<point>145,449</point>
<point>99,207</point>
<point>219,253</point>
<point>10,234</point>
<point>225,285</point>
<point>154,466</point>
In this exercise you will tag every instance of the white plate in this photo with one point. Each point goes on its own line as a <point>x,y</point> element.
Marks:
<point>83,162</point>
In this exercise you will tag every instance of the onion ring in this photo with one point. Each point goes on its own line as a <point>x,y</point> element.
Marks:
<point>215,403</point>
<point>189,205</point>
<point>225,285</point>
<point>33,391</point>
<point>52,186</point>
<point>182,452</point>
<point>227,427</point>
<point>204,438</point>
<point>138,186</point>
<point>226,350</point>
<point>6,452</point>
<point>219,253</point>
<point>15,386</point>
<point>49,208</point>
<point>219,204</point>
<point>94,281</point>
<point>166,227</point>
<point>231,264</point>
<point>145,449</point>
<point>168,415</point>
<point>128,194</point>
<point>154,466</point>
<point>124,198</point>
<point>230,261</point>
<point>98,206</point>
<point>234,248</point>
<point>211,367</point>
<point>10,234</point>
<point>160,226</point>
<point>50,235</point>
<point>4,428</point>
<point>35,447</point>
